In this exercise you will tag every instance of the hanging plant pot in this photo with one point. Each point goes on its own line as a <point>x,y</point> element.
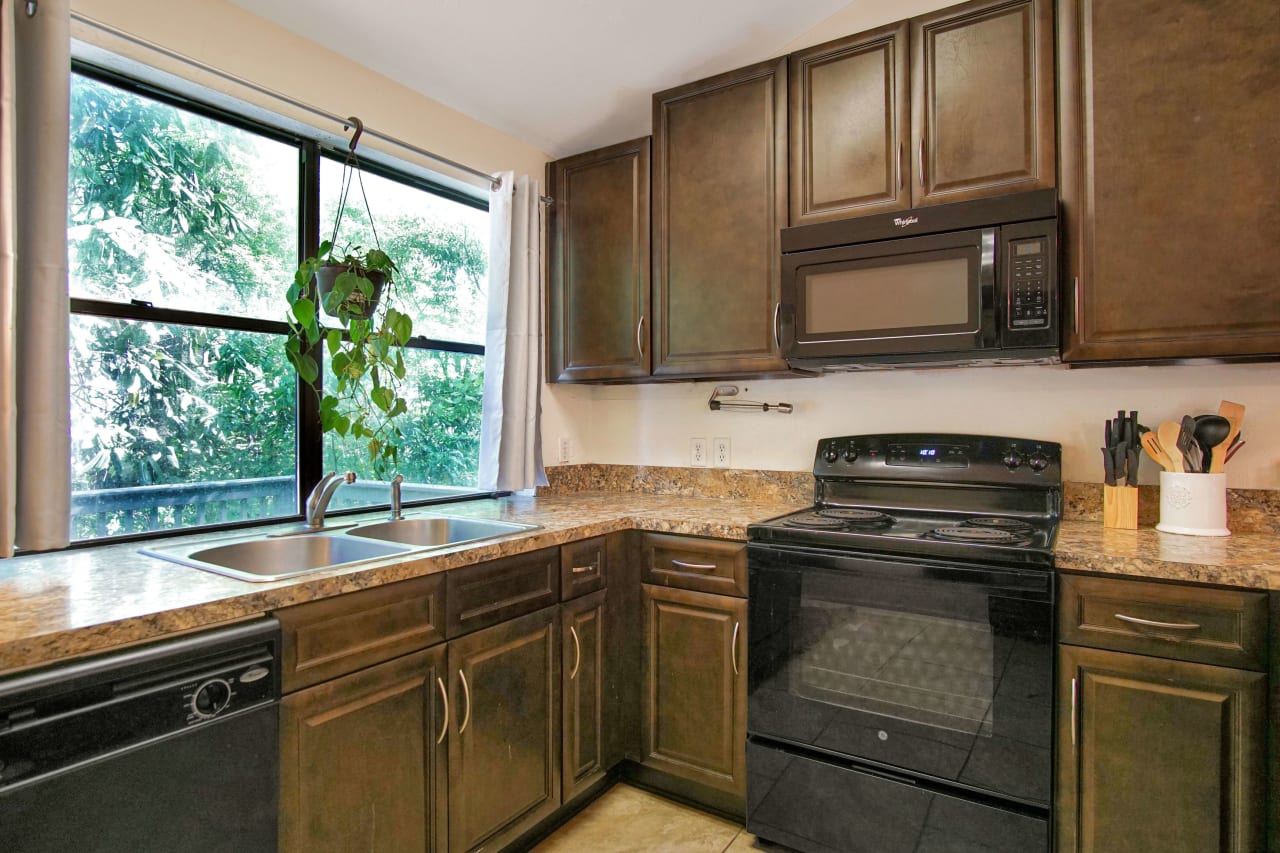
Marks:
<point>356,304</point>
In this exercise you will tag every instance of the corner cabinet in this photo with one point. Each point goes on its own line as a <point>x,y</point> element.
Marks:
<point>719,201</point>
<point>950,106</point>
<point>598,319</point>
<point>583,643</point>
<point>1170,148</point>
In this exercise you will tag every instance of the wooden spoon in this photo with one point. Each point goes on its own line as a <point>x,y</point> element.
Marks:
<point>1155,450</point>
<point>1168,433</point>
<point>1234,413</point>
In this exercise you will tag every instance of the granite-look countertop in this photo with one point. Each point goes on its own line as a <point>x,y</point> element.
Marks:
<point>60,605</point>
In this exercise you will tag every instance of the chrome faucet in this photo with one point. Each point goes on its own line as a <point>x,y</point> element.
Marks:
<point>318,500</point>
<point>396,514</point>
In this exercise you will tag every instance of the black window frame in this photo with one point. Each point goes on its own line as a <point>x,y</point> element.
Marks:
<point>309,458</point>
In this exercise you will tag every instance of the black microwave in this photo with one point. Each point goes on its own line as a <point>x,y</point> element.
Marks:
<point>966,283</point>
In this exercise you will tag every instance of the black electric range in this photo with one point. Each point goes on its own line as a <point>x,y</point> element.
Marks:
<point>900,649</point>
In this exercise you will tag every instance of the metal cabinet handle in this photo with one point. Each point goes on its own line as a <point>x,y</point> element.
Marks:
<point>734,648</point>
<point>901,176</point>
<point>1076,319</point>
<point>444,725</point>
<point>466,693</point>
<point>777,332</point>
<point>920,162</point>
<point>1073,711</point>
<point>582,570</point>
<point>1149,623</point>
<point>697,567</point>
<point>640,336</point>
<point>577,653</point>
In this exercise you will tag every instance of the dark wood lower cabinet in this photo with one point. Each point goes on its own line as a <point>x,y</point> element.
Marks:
<point>504,731</point>
<point>695,698</point>
<point>1159,756</point>
<point>582,644</point>
<point>360,767</point>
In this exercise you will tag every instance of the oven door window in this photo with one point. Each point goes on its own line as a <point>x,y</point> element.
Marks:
<point>928,294</point>
<point>939,671</point>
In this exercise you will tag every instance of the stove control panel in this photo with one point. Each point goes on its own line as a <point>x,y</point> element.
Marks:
<point>940,457</point>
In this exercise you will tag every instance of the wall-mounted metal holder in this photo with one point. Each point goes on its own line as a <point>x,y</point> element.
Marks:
<point>716,404</point>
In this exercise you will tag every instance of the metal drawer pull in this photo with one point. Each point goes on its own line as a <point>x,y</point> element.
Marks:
<point>735,647</point>
<point>697,567</point>
<point>466,693</point>
<point>444,725</point>
<point>582,570</point>
<point>577,653</point>
<point>1073,712</point>
<point>1149,623</point>
<point>639,336</point>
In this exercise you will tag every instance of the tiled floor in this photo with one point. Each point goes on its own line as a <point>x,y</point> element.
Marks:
<point>628,820</point>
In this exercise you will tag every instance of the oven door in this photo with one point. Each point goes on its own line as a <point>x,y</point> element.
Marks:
<point>939,670</point>
<point>916,295</point>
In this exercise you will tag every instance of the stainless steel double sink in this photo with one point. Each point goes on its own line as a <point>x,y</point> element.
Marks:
<point>268,558</point>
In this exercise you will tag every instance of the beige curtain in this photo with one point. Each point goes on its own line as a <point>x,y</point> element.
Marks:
<point>35,443</point>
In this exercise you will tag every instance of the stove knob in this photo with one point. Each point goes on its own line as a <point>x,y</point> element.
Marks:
<point>1012,459</point>
<point>851,455</point>
<point>831,454</point>
<point>1038,461</point>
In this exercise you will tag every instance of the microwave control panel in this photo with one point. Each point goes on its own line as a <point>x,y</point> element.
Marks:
<point>1029,283</point>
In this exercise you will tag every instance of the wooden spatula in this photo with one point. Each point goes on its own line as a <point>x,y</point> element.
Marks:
<point>1234,413</point>
<point>1155,450</point>
<point>1168,433</point>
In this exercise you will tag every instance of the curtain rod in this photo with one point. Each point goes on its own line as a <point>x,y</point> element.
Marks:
<point>493,181</point>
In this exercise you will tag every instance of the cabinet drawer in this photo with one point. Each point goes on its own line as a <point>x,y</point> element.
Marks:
<point>704,565</point>
<point>335,636</point>
<point>1183,622</point>
<point>582,567</point>
<point>493,592</point>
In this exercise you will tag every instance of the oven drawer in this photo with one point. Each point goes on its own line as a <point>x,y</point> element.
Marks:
<point>702,565</point>
<point>1183,622</point>
<point>835,807</point>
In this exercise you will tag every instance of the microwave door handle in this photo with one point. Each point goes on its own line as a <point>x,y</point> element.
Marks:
<point>989,315</point>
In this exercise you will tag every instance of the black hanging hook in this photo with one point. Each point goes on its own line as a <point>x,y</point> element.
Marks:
<point>352,121</point>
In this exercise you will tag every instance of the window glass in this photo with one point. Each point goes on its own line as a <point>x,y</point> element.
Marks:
<point>174,426</point>
<point>173,208</point>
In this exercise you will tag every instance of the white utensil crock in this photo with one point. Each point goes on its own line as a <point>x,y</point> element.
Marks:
<point>1193,504</point>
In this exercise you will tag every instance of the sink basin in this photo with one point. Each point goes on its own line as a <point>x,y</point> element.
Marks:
<point>274,559</point>
<point>436,531</point>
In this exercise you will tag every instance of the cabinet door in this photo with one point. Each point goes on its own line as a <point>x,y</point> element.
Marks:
<point>1170,156</point>
<point>582,640</point>
<point>598,265</point>
<point>849,126</point>
<point>1158,755</point>
<point>504,731</point>
<point>695,705</point>
<point>982,100</point>
<point>719,200</point>
<point>360,768</point>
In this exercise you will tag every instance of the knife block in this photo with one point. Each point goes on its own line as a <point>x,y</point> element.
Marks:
<point>1120,507</point>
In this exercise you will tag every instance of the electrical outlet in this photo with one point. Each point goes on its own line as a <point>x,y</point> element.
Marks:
<point>720,452</point>
<point>566,448</point>
<point>698,452</point>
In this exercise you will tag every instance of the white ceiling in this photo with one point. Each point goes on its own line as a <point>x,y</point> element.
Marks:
<point>562,75</point>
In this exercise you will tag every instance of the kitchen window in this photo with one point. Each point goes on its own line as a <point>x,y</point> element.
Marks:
<point>185,225</point>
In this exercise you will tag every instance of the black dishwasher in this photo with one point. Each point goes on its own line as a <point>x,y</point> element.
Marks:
<point>164,747</point>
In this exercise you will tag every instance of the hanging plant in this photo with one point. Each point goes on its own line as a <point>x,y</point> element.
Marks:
<point>364,341</point>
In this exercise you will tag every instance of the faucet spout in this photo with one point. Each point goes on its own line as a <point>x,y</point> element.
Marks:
<point>396,514</point>
<point>318,500</point>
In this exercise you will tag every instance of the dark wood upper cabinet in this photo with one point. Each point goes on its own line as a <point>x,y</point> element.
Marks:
<point>695,687</point>
<point>982,100</point>
<point>1158,755</point>
<point>850,126</point>
<point>360,767</point>
<point>1170,156</point>
<point>719,200</point>
<point>598,320</point>
<point>583,644</point>
<point>504,731</point>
